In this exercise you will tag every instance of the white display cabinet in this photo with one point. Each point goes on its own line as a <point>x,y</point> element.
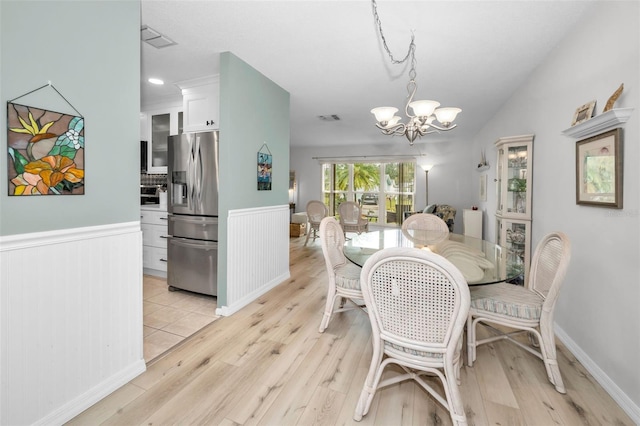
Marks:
<point>513,195</point>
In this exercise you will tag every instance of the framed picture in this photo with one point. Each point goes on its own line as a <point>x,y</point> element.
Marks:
<point>483,188</point>
<point>264,171</point>
<point>583,113</point>
<point>599,170</point>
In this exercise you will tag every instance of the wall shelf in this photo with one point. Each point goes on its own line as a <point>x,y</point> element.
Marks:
<point>599,124</point>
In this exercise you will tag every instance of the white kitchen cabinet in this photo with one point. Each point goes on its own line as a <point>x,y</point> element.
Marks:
<point>160,124</point>
<point>154,222</point>
<point>201,103</point>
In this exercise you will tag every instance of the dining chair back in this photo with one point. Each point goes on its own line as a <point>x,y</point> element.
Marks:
<point>316,211</point>
<point>351,218</point>
<point>425,228</point>
<point>417,303</point>
<point>525,309</point>
<point>425,221</point>
<point>344,276</point>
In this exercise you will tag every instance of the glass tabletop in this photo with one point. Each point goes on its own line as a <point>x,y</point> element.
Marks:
<point>480,261</point>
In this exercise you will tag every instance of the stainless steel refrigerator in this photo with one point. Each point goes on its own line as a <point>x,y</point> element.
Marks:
<point>192,246</point>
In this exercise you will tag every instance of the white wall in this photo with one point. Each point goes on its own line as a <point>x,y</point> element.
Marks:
<point>597,314</point>
<point>447,180</point>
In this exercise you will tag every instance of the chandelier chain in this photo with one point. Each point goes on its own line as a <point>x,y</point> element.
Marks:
<point>422,115</point>
<point>412,45</point>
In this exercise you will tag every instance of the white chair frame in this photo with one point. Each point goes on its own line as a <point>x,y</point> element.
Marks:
<point>344,276</point>
<point>316,211</point>
<point>548,268</point>
<point>351,218</point>
<point>423,341</point>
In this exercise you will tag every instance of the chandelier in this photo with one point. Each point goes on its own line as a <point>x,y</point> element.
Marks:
<point>425,113</point>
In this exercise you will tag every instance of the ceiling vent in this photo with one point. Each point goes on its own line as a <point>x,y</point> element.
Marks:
<point>154,38</point>
<point>332,117</point>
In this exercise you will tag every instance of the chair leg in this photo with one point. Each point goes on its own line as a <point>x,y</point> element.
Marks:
<point>328,310</point>
<point>548,352</point>
<point>471,341</point>
<point>370,383</point>
<point>307,237</point>
<point>454,399</point>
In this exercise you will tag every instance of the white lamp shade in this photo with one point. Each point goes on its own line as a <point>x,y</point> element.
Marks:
<point>447,115</point>
<point>394,120</point>
<point>424,108</point>
<point>426,167</point>
<point>384,114</point>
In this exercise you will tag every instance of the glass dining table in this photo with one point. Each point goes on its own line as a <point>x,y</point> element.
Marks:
<point>481,262</point>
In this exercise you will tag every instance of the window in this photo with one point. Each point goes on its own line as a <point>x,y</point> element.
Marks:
<point>387,188</point>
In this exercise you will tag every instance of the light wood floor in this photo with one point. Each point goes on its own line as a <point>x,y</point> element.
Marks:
<point>268,365</point>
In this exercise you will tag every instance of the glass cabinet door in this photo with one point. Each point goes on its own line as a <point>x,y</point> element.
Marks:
<point>159,135</point>
<point>513,177</point>
<point>515,239</point>
<point>517,174</point>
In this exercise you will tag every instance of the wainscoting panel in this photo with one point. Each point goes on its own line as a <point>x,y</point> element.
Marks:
<point>70,320</point>
<point>257,254</point>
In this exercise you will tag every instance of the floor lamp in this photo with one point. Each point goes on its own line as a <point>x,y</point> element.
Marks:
<point>426,168</point>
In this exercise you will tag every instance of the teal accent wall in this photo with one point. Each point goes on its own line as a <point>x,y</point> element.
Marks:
<point>73,44</point>
<point>253,110</point>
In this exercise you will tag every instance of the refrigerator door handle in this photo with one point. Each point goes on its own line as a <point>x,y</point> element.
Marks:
<point>200,245</point>
<point>198,171</point>
<point>188,174</point>
<point>198,220</point>
<point>191,175</point>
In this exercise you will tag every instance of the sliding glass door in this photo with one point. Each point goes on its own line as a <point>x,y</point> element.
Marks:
<point>384,190</point>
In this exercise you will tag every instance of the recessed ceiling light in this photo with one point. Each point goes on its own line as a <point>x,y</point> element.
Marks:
<point>155,81</point>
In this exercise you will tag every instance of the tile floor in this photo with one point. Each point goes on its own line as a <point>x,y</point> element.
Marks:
<point>171,316</point>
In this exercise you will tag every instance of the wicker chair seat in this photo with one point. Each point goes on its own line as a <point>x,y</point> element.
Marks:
<point>419,354</point>
<point>508,299</point>
<point>348,276</point>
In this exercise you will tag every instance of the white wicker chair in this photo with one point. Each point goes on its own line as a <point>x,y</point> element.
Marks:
<point>426,221</point>
<point>316,211</point>
<point>425,228</point>
<point>417,303</point>
<point>525,309</point>
<point>344,276</point>
<point>351,218</point>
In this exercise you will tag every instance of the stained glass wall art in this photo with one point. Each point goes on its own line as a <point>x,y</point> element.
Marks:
<point>45,152</point>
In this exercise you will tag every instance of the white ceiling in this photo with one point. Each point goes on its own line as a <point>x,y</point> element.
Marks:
<point>327,54</point>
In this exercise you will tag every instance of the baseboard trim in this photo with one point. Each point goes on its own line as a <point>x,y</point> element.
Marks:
<point>76,406</point>
<point>226,311</point>
<point>600,376</point>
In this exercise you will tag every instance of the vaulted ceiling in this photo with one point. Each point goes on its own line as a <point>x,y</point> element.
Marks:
<point>328,55</point>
